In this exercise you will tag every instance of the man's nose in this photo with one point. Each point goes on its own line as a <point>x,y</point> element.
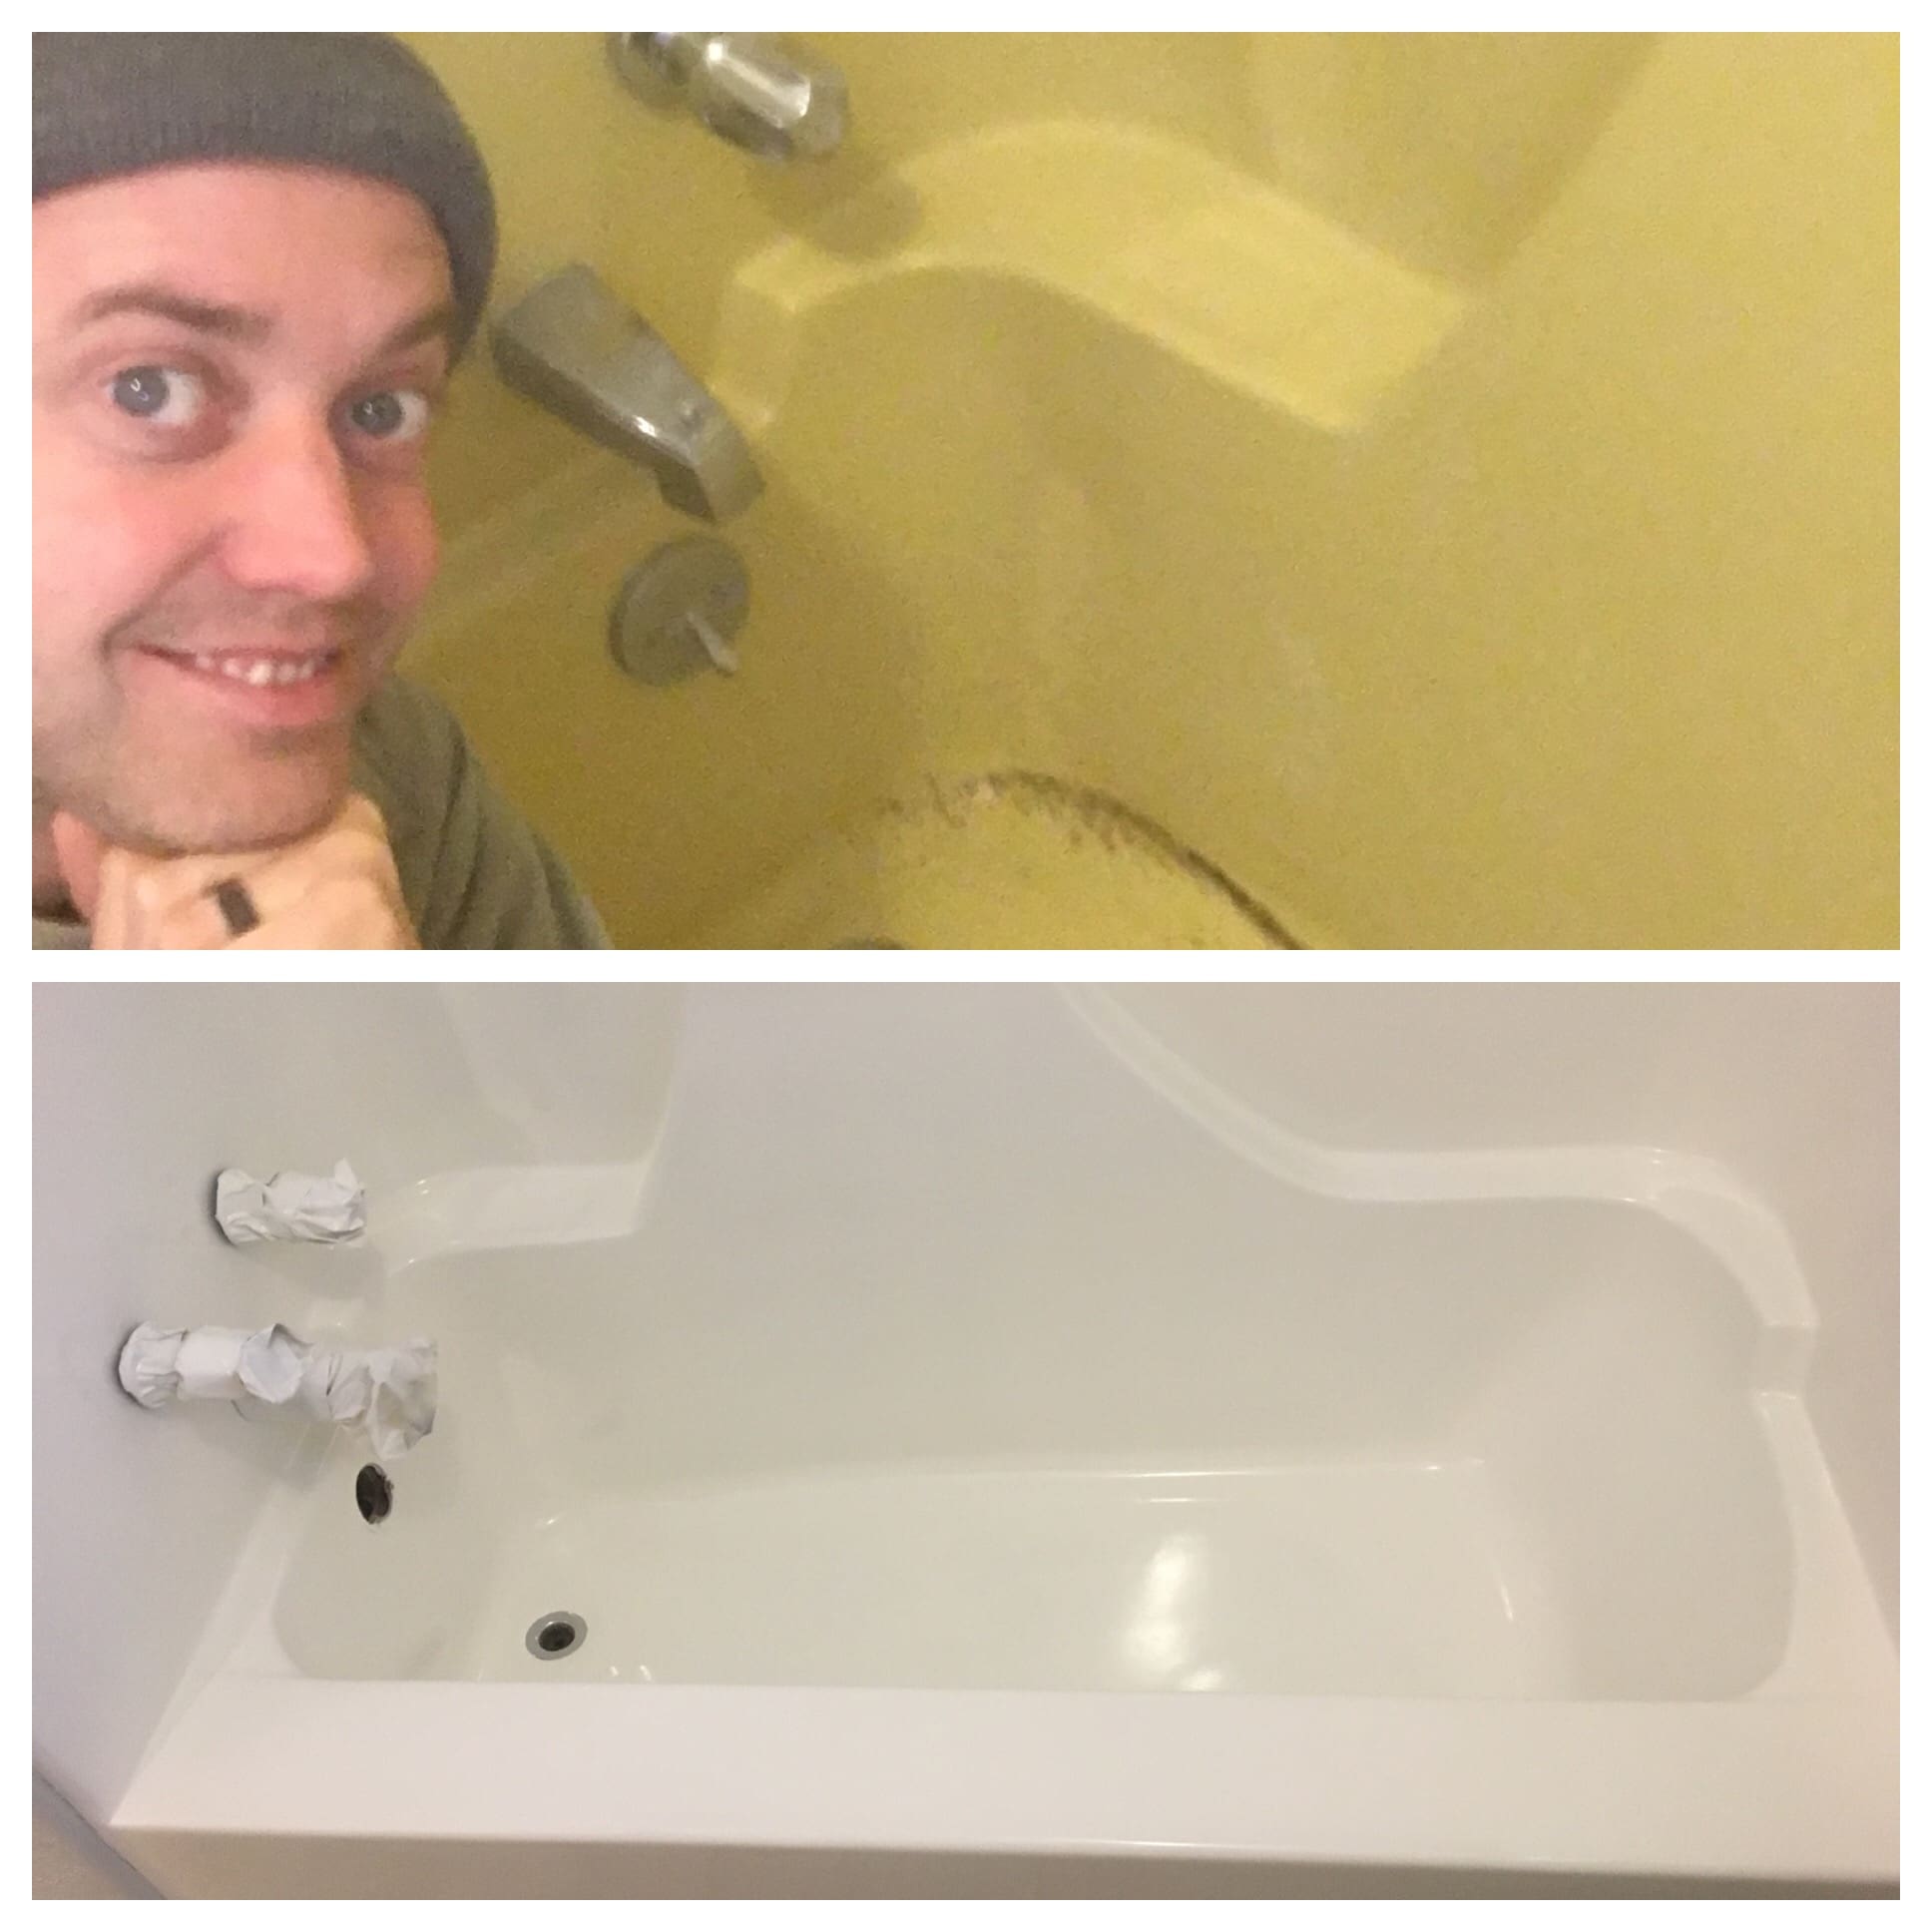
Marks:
<point>293,520</point>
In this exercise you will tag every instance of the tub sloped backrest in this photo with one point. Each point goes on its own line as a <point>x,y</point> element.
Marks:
<point>1644,1533</point>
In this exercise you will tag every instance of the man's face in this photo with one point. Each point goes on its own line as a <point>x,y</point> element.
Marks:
<point>232,526</point>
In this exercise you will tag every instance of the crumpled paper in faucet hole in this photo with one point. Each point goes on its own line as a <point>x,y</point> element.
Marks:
<point>291,1207</point>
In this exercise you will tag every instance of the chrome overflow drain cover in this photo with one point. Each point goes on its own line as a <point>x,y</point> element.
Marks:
<point>677,611</point>
<point>554,1636</point>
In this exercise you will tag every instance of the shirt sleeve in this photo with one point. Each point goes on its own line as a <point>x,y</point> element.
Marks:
<point>475,874</point>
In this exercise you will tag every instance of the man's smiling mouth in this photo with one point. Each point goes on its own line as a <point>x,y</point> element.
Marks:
<point>276,670</point>
<point>256,689</point>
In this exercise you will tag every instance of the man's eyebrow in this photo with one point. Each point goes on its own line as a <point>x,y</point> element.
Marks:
<point>246,325</point>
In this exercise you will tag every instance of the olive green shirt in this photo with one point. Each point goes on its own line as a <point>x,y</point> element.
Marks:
<point>473,873</point>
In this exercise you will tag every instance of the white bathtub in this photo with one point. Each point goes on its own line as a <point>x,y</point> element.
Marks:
<point>969,1435</point>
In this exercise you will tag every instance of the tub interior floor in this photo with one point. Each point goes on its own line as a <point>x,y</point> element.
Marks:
<point>1387,1579</point>
<point>1013,859</point>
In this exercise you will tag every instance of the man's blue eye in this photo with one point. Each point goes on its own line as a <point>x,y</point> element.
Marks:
<point>154,393</point>
<point>383,415</point>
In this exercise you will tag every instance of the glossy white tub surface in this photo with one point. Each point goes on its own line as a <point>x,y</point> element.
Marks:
<point>1034,1450</point>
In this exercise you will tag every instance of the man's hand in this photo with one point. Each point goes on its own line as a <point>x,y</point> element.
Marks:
<point>335,889</point>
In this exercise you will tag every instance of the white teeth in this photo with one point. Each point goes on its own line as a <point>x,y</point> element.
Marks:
<point>263,671</point>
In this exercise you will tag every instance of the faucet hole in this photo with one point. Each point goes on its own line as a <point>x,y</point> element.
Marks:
<point>375,1494</point>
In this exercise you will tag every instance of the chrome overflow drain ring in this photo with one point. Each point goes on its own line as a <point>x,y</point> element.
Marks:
<point>554,1636</point>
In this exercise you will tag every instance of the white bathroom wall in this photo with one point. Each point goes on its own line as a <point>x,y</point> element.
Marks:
<point>141,1094</point>
<point>1794,1087</point>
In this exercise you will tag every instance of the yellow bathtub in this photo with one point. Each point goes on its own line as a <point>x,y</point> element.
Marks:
<point>1222,490</point>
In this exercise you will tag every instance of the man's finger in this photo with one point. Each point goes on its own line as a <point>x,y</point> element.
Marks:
<point>80,849</point>
<point>132,899</point>
<point>163,886</point>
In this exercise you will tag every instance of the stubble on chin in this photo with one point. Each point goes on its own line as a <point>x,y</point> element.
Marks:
<point>212,803</point>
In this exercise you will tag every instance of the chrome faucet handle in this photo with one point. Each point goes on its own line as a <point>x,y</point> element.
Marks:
<point>752,89</point>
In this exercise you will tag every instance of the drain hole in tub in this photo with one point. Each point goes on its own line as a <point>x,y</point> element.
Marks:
<point>375,1494</point>
<point>555,1634</point>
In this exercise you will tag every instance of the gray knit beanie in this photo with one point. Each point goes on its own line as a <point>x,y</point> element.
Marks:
<point>115,103</point>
